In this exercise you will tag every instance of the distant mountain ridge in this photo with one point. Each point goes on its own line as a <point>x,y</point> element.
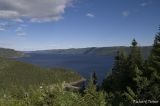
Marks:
<point>4,52</point>
<point>110,51</point>
<point>93,50</point>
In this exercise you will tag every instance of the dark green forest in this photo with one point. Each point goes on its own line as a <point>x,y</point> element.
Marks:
<point>10,53</point>
<point>108,51</point>
<point>134,81</point>
<point>15,73</point>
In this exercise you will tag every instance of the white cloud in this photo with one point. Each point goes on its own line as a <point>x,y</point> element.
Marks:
<point>34,10</point>
<point>4,26</point>
<point>47,19</point>
<point>18,20</point>
<point>126,13</point>
<point>8,14</point>
<point>147,3</point>
<point>144,4</point>
<point>22,34</point>
<point>90,15</point>
<point>2,29</point>
<point>20,31</point>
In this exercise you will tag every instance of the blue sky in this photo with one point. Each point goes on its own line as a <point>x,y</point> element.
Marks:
<point>61,24</point>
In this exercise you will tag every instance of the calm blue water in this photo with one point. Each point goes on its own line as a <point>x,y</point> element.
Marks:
<point>83,64</point>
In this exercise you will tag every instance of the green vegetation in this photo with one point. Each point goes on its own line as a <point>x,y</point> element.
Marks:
<point>24,84</point>
<point>132,79</point>
<point>54,96</point>
<point>111,51</point>
<point>23,74</point>
<point>10,53</point>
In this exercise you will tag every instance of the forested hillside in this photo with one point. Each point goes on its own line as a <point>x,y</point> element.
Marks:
<point>134,81</point>
<point>18,78</point>
<point>10,53</point>
<point>145,50</point>
<point>14,73</point>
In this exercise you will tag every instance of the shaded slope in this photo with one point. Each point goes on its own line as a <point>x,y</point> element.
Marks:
<point>10,53</point>
<point>23,74</point>
<point>93,51</point>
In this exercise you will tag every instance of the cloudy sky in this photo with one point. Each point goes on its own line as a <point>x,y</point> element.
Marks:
<point>58,24</point>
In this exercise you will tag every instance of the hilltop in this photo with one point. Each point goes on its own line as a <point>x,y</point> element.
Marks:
<point>10,53</point>
<point>93,51</point>
<point>15,73</point>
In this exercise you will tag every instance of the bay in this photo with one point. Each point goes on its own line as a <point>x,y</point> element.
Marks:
<point>85,65</point>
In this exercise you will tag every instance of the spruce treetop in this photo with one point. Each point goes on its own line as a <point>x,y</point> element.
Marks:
<point>134,43</point>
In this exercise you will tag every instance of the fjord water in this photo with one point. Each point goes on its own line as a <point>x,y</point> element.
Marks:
<point>83,64</point>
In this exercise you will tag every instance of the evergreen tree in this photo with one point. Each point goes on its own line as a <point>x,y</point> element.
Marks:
<point>153,69</point>
<point>134,68</point>
<point>119,71</point>
<point>116,80</point>
<point>115,83</point>
<point>135,56</point>
<point>92,97</point>
<point>94,78</point>
<point>127,77</point>
<point>136,81</point>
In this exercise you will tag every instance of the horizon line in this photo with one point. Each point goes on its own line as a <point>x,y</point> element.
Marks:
<point>70,48</point>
